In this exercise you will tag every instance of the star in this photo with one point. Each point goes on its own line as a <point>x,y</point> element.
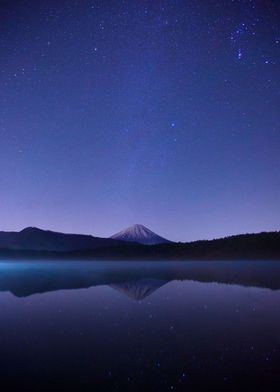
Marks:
<point>239,54</point>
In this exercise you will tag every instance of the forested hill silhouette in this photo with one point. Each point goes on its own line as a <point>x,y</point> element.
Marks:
<point>35,239</point>
<point>264,245</point>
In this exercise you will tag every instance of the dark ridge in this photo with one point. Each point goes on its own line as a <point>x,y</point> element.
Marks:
<point>247,246</point>
<point>35,239</point>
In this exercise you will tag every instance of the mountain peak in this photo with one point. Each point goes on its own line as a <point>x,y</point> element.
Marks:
<point>139,233</point>
<point>138,225</point>
<point>30,230</point>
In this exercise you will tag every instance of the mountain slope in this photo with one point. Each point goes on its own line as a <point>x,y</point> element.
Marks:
<point>32,238</point>
<point>141,234</point>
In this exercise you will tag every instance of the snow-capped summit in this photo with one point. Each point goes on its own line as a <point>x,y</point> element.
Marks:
<point>141,234</point>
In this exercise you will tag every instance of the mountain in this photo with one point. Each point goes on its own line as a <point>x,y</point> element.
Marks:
<point>141,234</point>
<point>35,244</point>
<point>32,238</point>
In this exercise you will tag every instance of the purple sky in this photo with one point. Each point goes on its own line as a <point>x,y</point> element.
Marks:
<point>161,113</point>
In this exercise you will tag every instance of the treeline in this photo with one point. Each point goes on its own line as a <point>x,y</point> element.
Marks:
<point>246,246</point>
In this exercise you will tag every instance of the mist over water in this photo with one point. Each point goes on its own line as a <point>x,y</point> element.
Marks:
<point>153,326</point>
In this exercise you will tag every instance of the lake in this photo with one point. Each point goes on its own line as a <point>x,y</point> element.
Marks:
<point>140,326</point>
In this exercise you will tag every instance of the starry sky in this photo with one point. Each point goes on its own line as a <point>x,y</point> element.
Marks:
<point>164,113</point>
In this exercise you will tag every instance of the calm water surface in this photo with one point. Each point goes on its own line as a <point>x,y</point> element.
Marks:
<point>150,326</point>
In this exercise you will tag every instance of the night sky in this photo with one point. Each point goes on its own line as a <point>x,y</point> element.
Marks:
<point>165,113</point>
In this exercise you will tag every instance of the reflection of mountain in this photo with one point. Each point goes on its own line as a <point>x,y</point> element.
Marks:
<point>136,280</point>
<point>140,289</point>
<point>23,282</point>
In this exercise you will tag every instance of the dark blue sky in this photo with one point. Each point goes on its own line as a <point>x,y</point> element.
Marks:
<point>165,113</point>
